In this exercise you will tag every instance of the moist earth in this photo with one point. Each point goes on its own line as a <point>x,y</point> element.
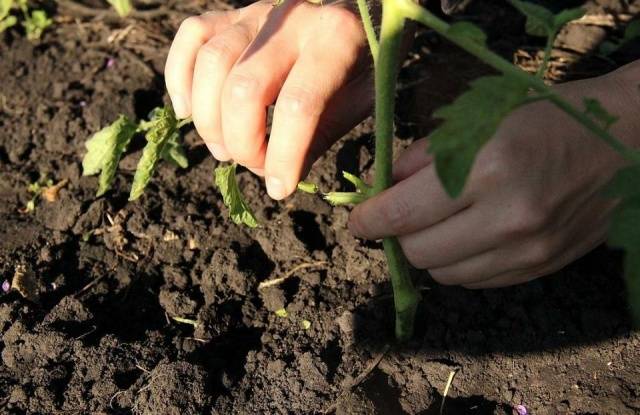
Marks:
<point>154,307</point>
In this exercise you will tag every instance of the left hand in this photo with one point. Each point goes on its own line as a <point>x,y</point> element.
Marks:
<point>532,203</point>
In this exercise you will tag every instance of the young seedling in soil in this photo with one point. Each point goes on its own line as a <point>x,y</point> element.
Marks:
<point>35,21</point>
<point>122,7</point>
<point>468,124</point>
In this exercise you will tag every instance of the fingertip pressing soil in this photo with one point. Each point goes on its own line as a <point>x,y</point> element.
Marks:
<point>155,307</point>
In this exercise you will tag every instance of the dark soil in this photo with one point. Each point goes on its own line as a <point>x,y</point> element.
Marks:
<point>100,335</point>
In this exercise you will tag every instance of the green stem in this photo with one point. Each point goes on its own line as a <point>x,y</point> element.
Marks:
<point>406,297</point>
<point>369,30</point>
<point>542,70</point>
<point>413,11</point>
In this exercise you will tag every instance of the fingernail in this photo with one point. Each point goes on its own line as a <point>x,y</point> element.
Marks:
<point>275,188</point>
<point>219,151</point>
<point>180,106</point>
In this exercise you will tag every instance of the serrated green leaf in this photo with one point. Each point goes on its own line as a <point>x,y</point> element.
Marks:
<point>540,21</point>
<point>596,111</point>
<point>567,16</point>
<point>469,123</point>
<point>162,128</point>
<point>239,211</point>
<point>468,30</point>
<point>104,150</point>
<point>625,184</point>
<point>35,23</point>
<point>632,31</point>
<point>174,152</point>
<point>122,7</point>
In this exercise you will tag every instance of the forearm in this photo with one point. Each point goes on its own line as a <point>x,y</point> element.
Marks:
<point>625,98</point>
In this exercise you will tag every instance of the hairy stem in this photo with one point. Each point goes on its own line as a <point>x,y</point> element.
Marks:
<point>413,11</point>
<point>547,57</point>
<point>406,297</point>
<point>369,29</point>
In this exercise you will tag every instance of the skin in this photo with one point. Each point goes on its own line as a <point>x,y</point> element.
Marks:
<point>532,203</point>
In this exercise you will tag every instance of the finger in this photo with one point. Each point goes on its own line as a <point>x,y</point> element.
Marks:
<point>463,235</point>
<point>252,85</point>
<point>214,61</point>
<point>408,206</point>
<point>192,34</point>
<point>412,159</point>
<point>316,77</point>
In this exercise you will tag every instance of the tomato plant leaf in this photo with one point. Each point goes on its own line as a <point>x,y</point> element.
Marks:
<point>162,128</point>
<point>469,122</point>
<point>122,7</point>
<point>567,16</point>
<point>5,8</point>
<point>7,22</point>
<point>540,21</point>
<point>105,148</point>
<point>174,153</point>
<point>598,113</point>
<point>468,30</point>
<point>239,211</point>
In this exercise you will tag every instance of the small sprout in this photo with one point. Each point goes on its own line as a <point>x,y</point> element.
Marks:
<point>361,186</point>
<point>305,324</point>
<point>122,7</point>
<point>37,189</point>
<point>184,320</point>
<point>87,235</point>
<point>344,198</point>
<point>308,187</point>
<point>282,313</point>
<point>6,286</point>
<point>35,23</point>
<point>239,211</point>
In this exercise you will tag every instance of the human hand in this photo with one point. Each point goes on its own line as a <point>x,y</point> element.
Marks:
<point>225,68</point>
<point>533,201</point>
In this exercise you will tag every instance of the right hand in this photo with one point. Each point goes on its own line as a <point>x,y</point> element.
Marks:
<point>226,68</point>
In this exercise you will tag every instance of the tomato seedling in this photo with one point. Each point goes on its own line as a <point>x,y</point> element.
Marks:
<point>468,124</point>
<point>34,23</point>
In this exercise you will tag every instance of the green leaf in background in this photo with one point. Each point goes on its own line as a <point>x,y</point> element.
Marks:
<point>7,22</point>
<point>239,211</point>
<point>105,148</point>
<point>624,230</point>
<point>162,129</point>
<point>632,31</point>
<point>122,7</point>
<point>469,122</point>
<point>469,30</point>
<point>598,113</point>
<point>567,16</point>
<point>542,22</point>
<point>5,8</point>
<point>35,24</point>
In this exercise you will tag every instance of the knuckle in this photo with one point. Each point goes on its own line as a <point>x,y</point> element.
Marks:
<point>395,214</point>
<point>299,101</point>
<point>243,87</point>
<point>192,26</point>
<point>342,20</point>
<point>214,53</point>
<point>492,170</point>
<point>539,253</point>
<point>526,218</point>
